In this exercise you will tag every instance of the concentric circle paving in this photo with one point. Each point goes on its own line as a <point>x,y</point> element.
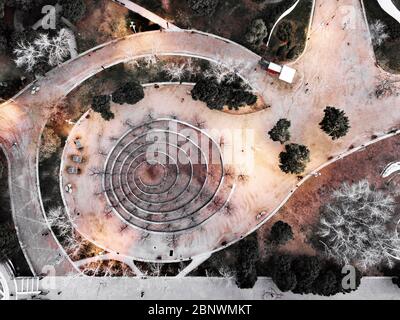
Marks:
<point>165,176</point>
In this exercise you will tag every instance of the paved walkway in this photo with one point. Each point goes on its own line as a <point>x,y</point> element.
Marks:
<point>148,15</point>
<point>337,69</point>
<point>199,289</point>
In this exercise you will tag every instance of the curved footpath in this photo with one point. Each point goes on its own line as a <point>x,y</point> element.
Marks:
<point>389,7</point>
<point>338,69</point>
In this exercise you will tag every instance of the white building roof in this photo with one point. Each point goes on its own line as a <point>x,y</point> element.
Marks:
<point>275,67</point>
<point>287,74</point>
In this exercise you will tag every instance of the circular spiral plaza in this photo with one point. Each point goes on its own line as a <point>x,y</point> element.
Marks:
<point>165,176</point>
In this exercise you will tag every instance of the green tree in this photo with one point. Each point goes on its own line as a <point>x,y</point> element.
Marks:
<point>73,10</point>
<point>335,123</point>
<point>246,275</point>
<point>226,93</point>
<point>284,31</point>
<point>308,274</point>
<point>101,104</point>
<point>280,270</point>
<point>131,93</point>
<point>281,232</point>
<point>256,33</point>
<point>8,241</point>
<point>294,159</point>
<point>280,132</point>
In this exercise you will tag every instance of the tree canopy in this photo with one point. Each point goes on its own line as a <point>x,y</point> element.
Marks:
<point>256,33</point>
<point>203,7</point>
<point>73,10</point>
<point>308,274</point>
<point>225,93</point>
<point>131,93</point>
<point>335,123</point>
<point>281,232</point>
<point>246,275</point>
<point>101,104</point>
<point>280,132</point>
<point>357,226</point>
<point>294,159</point>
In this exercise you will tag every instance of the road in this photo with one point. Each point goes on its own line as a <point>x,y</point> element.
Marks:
<point>337,69</point>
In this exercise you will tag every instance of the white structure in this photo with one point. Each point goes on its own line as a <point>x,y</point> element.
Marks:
<point>275,68</point>
<point>287,74</point>
<point>284,73</point>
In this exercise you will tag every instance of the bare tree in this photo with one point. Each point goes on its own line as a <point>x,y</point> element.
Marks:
<point>27,55</point>
<point>50,143</point>
<point>57,219</point>
<point>378,32</point>
<point>51,50</point>
<point>358,226</point>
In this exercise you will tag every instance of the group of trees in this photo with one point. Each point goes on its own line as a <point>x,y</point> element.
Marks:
<point>43,49</point>
<point>216,95</point>
<point>359,226</point>
<point>34,50</point>
<point>130,93</point>
<point>308,274</point>
<point>203,7</point>
<point>296,157</point>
